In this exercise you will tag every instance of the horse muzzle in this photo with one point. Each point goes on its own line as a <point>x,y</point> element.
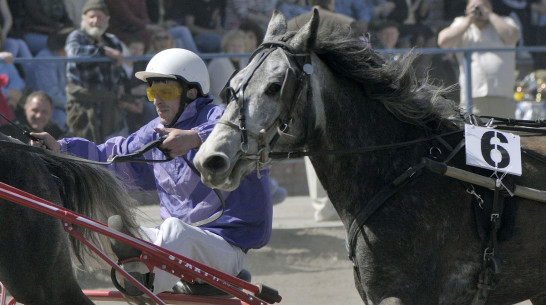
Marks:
<point>214,168</point>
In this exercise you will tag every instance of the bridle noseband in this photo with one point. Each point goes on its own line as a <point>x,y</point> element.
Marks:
<point>290,94</point>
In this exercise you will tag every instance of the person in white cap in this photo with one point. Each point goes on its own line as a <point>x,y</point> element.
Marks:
<point>178,85</point>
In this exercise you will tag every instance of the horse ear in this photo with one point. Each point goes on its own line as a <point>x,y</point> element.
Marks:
<point>276,26</point>
<point>307,34</point>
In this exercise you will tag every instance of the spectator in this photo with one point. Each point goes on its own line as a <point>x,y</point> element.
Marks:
<point>539,8</point>
<point>410,14</point>
<point>178,86</point>
<point>7,19</point>
<point>292,8</point>
<point>493,77</point>
<point>74,10</point>
<point>169,14</point>
<point>454,8</point>
<point>50,76</point>
<point>139,111</point>
<point>41,19</point>
<point>379,10</point>
<point>130,18</point>
<point>13,89</point>
<point>135,46</point>
<point>34,117</point>
<point>328,20</point>
<point>356,9</point>
<point>172,12</point>
<point>258,11</point>
<point>161,40</point>
<point>387,34</point>
<point>93,88</point>
<point>221,68</point>
<point>254,32</point>
<point>435,18</point>
<point>204,20</point>
<point>17,47</point>
<point>5,109</point>
<point>521,12</point>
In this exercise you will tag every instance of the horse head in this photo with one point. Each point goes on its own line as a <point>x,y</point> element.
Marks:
<point>263,99</point>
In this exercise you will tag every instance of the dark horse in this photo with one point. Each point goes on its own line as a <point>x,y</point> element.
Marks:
<point>35,253</point>
<point>360,118</point>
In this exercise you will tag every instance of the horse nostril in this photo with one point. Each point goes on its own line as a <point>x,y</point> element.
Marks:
<point>215,163</point>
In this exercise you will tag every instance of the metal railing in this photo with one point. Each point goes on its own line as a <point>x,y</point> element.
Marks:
<point>467,53</point>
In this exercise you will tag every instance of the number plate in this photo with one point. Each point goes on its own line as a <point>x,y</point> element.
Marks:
<point>493,149</point>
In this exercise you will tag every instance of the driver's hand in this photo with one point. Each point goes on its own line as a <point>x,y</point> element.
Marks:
<point>178,141</point>
<point>46,140</point>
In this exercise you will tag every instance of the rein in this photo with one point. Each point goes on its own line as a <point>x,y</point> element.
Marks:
<point>133,157</point>
<point>299,154</point>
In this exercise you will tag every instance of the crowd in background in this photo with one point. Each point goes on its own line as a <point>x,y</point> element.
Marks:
<point>100,99</point>
<point>38,29</point>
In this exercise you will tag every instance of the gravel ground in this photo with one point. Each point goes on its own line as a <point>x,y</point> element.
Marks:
<point>305,260</point>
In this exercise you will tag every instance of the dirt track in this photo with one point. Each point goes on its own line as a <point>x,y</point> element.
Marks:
<point>305,261</point>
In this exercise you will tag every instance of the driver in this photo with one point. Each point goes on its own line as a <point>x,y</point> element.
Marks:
<point>178,85</point>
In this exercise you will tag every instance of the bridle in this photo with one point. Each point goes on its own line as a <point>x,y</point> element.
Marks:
<point>290,93</point>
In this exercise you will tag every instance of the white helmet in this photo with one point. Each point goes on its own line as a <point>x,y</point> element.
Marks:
<point>178,64</point>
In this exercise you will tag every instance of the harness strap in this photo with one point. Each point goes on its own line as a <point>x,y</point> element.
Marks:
<point>491,262</point>
<point>299,154</point>
<point>374,204</point>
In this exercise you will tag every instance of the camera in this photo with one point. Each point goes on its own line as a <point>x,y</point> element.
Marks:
<point>476,11</point>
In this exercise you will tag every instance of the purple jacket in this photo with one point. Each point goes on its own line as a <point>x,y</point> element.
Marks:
<point>247,218</point>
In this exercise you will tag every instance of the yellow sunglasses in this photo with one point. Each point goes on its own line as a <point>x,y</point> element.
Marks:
<point>165,92</point>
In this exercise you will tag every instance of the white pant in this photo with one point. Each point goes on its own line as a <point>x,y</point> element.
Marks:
<point>193,243</point>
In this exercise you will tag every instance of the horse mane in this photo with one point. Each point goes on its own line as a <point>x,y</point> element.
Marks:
<point>393,83</point>
<point>94,192</point>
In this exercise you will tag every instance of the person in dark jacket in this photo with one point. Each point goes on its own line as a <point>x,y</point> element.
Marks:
<point>35,116</point>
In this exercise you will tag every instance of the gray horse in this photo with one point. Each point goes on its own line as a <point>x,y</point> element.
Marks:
<point>367,123</point>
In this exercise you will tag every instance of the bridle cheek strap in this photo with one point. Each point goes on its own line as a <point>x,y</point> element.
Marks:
<point>290,93</point>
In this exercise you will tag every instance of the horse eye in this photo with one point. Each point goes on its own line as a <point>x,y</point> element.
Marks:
<point>273,89</point>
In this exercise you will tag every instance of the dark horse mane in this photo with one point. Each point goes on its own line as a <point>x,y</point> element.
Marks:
<point>86,189</point>
<point>35,250</point>
<point>393,83</point>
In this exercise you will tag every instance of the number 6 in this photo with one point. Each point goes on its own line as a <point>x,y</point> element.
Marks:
<point>487,147</point>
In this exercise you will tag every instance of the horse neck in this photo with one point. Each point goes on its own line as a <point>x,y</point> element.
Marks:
<point>350,122</point>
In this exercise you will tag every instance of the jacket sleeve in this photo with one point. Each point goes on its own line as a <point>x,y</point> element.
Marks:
<point>212,116</point>
<point>137,176</point>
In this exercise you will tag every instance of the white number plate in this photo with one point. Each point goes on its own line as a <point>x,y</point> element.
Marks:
<point>493,149</point>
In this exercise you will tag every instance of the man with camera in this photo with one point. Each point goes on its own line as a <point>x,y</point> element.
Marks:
<point>493,77</point>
